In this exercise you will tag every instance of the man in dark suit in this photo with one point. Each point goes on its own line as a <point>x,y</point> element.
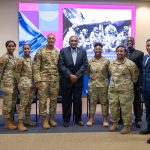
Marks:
<point>137,57</point>
<point>73,63</point>
<point>146,87</point>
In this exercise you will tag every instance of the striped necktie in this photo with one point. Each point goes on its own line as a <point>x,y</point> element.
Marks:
<point>146,60</point>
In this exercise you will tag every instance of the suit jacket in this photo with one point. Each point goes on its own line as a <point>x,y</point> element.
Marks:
<point>146,75</point>
<point>67,66</point>
<point>137,57</point>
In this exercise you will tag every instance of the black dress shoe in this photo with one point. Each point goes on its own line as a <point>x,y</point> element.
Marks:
<point>138,124</point>
<point>80,123</point>
<point>148,141</point>
<point>66,124</point>
<point>145,132</point>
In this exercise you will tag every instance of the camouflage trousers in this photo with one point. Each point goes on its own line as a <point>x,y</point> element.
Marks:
<point>9,94</point>
<point>26,97</point>
<point>48,89</point>
<point>124,101</point>
<point>98,94</point>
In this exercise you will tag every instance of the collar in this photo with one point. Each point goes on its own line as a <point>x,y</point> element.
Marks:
<point>74,50</point>
<point>96,59</point>
<point>130,50</point>
<point>10,56</point>
<point>120,62</point>
<point>27,58</point>
<point>148,55</point>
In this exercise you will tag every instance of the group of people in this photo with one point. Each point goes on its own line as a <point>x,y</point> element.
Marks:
<point>117,84</point>
<point>109,36</point>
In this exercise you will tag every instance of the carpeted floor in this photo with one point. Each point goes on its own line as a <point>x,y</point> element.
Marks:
<point>97,127</point>
<point>72,138</point>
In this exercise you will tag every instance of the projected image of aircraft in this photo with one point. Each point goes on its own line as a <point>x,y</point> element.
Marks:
<point>110,33</point>
<point>29,34</point>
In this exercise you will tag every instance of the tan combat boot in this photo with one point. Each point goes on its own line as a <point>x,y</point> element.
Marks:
<point>113,127</point>
<point>105,122</point>
<point>125,130</point>
<point>45,123</point>
<point>9,125</point>
<point>90,122</point>
<point>21,126</point>
<point>12,120</point>
<point>29,122</point>
<point>52,122</point>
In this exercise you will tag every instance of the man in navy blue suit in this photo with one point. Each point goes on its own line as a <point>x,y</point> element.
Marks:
<point>73,63</point>
<point>146,87</point>
<point>137,57</point>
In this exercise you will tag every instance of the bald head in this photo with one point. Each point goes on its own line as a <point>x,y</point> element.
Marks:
<point>51,40</point>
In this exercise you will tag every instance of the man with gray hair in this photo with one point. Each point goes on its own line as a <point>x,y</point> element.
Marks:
<point>73,63</point>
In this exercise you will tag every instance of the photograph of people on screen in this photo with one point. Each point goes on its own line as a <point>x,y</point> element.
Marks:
<point>110,27</point>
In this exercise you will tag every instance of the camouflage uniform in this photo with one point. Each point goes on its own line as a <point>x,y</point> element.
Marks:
<point>120,92</point>
<point>98,84</point>
<point>24,77</point>
<point>8,84</point>
<point>46,71</point>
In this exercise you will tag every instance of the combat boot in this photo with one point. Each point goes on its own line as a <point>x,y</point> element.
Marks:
<point>29,122</point>
<point>9,125</point>
<point>45,123</point>
<point>90,122</point>
<point>125,130</point>
<point>21,126</point>
<point>113,127</point>
<point>105,122</point>
<point>12,120</point>
<point>52,122</point>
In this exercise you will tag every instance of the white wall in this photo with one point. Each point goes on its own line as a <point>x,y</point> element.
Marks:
<point>9,20</point>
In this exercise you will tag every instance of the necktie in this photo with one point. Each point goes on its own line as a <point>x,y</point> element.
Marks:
<point>146,60</point>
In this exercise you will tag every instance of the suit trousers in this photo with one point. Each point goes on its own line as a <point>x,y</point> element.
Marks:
<point>146,96</point>
<point>137,103</point>
<point>69,95</point>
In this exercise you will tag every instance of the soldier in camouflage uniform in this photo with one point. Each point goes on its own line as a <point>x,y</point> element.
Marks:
<point>98,84</point>
<point>8,84</point>
<point>24,78</point>
<point>124,73</point>
<point>46,78</point>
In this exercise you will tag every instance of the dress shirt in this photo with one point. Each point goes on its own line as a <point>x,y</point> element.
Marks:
<point>74,55</point>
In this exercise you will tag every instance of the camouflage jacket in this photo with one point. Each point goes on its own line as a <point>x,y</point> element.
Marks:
<point>7,69</point>
<point>98,72</point>
<point>45,66</point>
<point>23,72</point>
<point>123,75</point>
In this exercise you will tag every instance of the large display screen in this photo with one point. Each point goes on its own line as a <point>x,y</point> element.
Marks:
<point>107,24</point>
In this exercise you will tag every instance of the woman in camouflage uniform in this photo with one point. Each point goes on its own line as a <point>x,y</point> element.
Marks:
<point>24,78</point>
<point>98,84</point>
<point>124,73</point>
<point>8,84</point>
